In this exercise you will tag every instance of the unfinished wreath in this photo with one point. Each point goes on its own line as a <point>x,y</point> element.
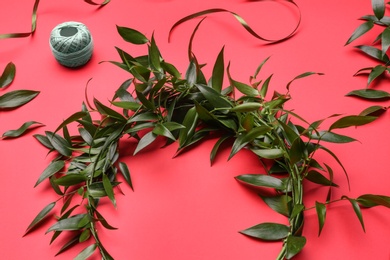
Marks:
<point>159,101</point>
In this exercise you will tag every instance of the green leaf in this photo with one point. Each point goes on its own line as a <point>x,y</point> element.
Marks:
<point>297,209</point>
<point>145,141</point>
<point>67,202</point>
<point>218,72</point>
<point>96,189</point>
<point>216,147</point>
<point>122,92</point>
<point>72,242</point>
<point>244,138</point>
<point>8,75</point>
<point>298,151</point>
<point>279,203</point>
<point>191,74</point>
<point>337,160</point>
<point>373,52</point>
<point>375,73</point>
<point>385,40</point>
<point>373,111</point>
<point>108,188</point>
<point>154,55</point>
<point>133,106</point>
<point>303,75</point>
<point>143,117</point>
<point>87,137</point>
<point>370,94</point>
<point>214,120</point>
<point>321,214</point>
<point>160,129</point>
<point>71,223</point>
<point>104,110</point>
<point>216,99</point>
<point>264,87</point>
<point>21,130</point>
<point>171,69</point>
<point>59,144</point>
<point>349,121</point>
<point>172,126</point>
<point>86,253</point>
<point>190,122</point>
<point>289,131</point>
<point>50,170</point>
<point>70,179</point>
<point>144,101</point>
<point>64,216</point>
<point>17,98</point>
<point>131,35</point>
<point>258,69</point>
<point>41,216</point>
<point>44,141</point>
<point>246,107</point>
<point>140,126</point>
<point>332,137</point>
<point>372,200</point>
<point>247,122</point>
<point>268,153</point>
<point>84,221</point>
<point>261,180</point>
<point>88,126</point>
<point>205,115</point>
<point>294,245</point>
<point>245,89</point>
<point>316,177</point>
<point>55,187</point>
<point>379,7</point>
<point>362,29</point>
<point>126,174</point>
<point>65,133</point>
<point>71,119</point>
<point>363,70</point>
<point>358,212</point>
<point>267,231</point>
<point>85,235</point>
<point>103,221</point>
<point>330,172</point>
<point>313,163</point>
<point>140,72</point>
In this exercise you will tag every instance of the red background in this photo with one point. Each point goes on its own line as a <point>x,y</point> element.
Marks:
<point>182,208</point>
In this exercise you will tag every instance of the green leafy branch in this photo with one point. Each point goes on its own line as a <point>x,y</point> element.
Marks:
<point>378,53</point>
<point>156,102</point>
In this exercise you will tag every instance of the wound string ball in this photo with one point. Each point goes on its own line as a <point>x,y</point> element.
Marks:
<point>71,44</point>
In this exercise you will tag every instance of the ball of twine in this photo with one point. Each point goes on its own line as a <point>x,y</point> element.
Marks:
<point>71,44</point>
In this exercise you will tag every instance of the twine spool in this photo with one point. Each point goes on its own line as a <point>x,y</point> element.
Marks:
<point>71,44</point>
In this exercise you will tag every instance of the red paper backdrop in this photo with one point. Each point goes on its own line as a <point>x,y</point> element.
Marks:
<point>182,208</point>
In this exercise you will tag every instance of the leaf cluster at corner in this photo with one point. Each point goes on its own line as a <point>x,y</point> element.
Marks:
<point>377,51</point>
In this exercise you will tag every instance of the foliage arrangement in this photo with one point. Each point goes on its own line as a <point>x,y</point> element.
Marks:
<point>157,101</point>
<point>377,50</point>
